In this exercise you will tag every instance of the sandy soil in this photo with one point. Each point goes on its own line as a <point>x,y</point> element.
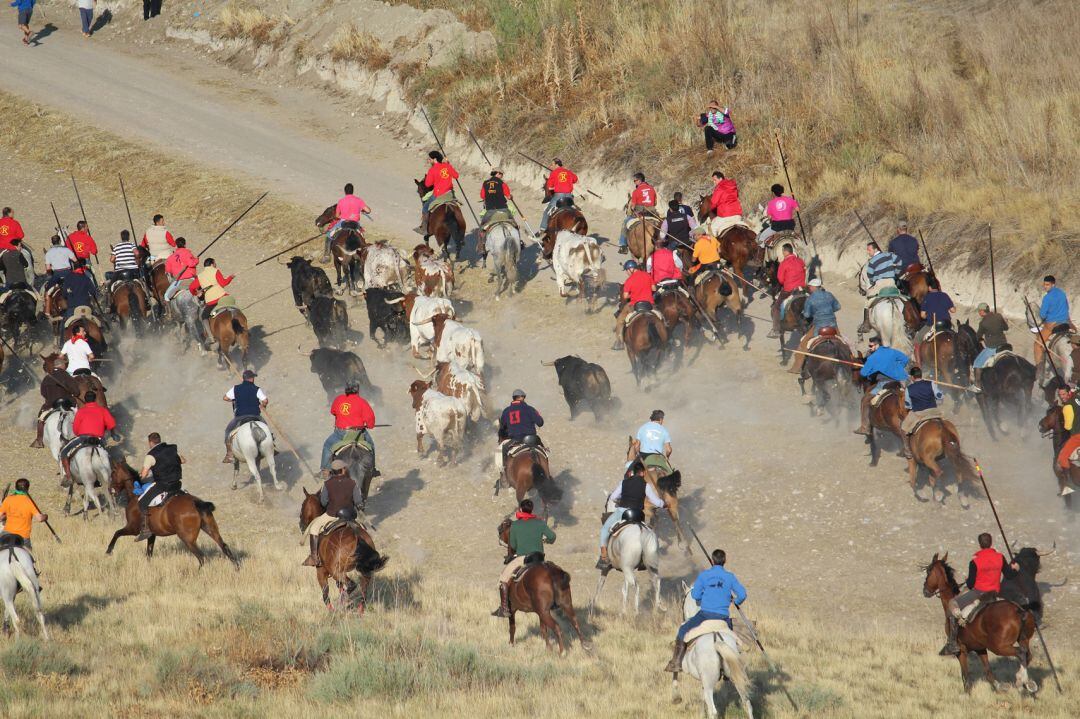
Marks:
<point>790,496</point>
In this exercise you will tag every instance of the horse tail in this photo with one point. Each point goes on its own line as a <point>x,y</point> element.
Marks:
<point>204,508</point>
<point>576,225</point>
<point>671,483</point>
<point>544,485</point>
<point>960,461</point>
<point>367,559</point>
<point>238,327</point>
<point>28,583</point>
<point>734,669</point>
<point>655,340</point>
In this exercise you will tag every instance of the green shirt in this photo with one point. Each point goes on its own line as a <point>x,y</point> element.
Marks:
<point>527,535</point>
<point>992,330</point>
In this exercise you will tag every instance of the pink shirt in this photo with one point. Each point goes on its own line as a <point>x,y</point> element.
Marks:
<point>350,207</point>
<point>782,208</point>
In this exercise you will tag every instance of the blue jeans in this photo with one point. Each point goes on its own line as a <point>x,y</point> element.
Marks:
<point>984,356</point>
<point>697,620</point>
<point>172,289</point>
<point>87,15</point>
<point>605,531</point>
<point>880,386</point>
<point>546,216</point>
<point>336,436</point>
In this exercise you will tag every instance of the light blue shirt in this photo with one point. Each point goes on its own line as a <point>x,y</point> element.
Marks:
<point>653,436</point>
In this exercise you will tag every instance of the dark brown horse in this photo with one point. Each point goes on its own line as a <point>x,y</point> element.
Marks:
<point>677,310</point>
<point>85,382</point>
<point>159,282</point>
<point>667,487</point>
<point>54,305</point>
<point>1002,628</point>
<point>940,359</point>
<point>347,548</point>
<point>565,218</point>
<point>885,416</point>
<point>935,439</point>
<point>738,244</point>
<point>917,282</point>
<point>349,250</point>
<point>645,337</point>
<point>543,589</point>
<point>792,321</point>
<point>1053,425</point>
<point>229,328</point>
<point>130,303</point>
<point>826,375</point>
<point>185,515</point>
<point>528,470</point>
<point>446,223</point>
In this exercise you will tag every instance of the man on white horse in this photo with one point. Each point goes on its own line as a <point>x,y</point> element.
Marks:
<point>91,423</point>
<point>884,366</point>
<point>57,386</point>
<point>629,498</point>
<point>714,589</point>
<point>248,401</point>
<point>352,413</point>
<point>881,270</point>
<point>18,512</point>
<point>495,194</point>
<point>162,464</point>
<point>340,495</point>
<point>528,534</point>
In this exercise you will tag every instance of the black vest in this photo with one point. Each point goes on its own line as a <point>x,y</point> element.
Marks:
<point>678,225</point>
<point>633,493</point>
<point>167,469</point>
<point>246,400</point>
<point>494,195</point>
<point>921,395</point>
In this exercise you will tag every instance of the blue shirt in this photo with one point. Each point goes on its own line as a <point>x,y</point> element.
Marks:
<point>1055,306</point>
<point>821,308</point>
<point>883,265</point>
<point>653,436</point>
<point>23,4</point>
<point>713,589</point>
<point>887,361</point>
<point>936,305</point>
<point>78,290</point>
<point>906,248</point>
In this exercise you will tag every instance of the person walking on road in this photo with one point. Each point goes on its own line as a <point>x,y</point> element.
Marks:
<point>86,14</point>
<point>26,11</point>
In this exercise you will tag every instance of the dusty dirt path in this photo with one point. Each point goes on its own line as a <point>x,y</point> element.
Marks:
<point>789,496</point>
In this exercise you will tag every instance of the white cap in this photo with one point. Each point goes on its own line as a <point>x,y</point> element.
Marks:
<point>816,282</point>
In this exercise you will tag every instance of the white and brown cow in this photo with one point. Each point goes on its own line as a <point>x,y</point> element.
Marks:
<point>421,310</point>
<point>440,416</point>
<point>433,277</point>
<point>455,341</point>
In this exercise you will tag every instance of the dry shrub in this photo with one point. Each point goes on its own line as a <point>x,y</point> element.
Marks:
<point>352,45</point>
<point>201,678</point>
<point>28,657</point>
<point>247,23</point>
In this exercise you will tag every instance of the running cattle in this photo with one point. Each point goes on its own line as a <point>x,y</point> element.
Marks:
<point>386,312</point>
<point>441,417</point>
<point>455,341</point>
<point>454,380</point>
<point>583,383</point>
<point>421,311</point>
<point>335,368</point>
<point>386,268</point>
<point>329,319</point>
<point>308,282</point>
<point>575,259</point>
<point>434,278</point>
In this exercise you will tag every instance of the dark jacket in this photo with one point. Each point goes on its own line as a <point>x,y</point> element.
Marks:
<point>340,492</point>
<point>14,266</point>
<point>518,421</point>
<point>527,536</point>
<point>633,493</point>
<point>992,329</point>
<point>58,385</point>
<point>78,290</point>
<point>906,248</point>
<point>921,395</point>
<point>167,469</point>
<point>246,400</point>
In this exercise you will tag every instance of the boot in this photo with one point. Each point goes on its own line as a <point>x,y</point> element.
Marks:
<point>864,416</point>
<point>38,442</point>
<point>951,647</point>
<point>504,602</point>
<point>623,249</point>
<point>229,458</point>
<point>977,382</point>
<point>865,326</point>
<point>144,531</point>
<point>421,229</point>
<point>603,563</point>
<point>326,250</point>
<point>907,446</point>
<point>675,665</point>
<point>65,481</point>
<point>313,558</point>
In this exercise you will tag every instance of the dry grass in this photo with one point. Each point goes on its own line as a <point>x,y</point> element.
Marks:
<point>352,45</point>
<point>242,22</point>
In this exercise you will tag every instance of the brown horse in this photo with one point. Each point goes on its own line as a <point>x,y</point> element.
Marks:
<point>716,292</point>
<point>738,244</point>
<point>677,310</point>
<point>667,487</point>
<point>159,282</point>
<point>185,515</point>
<point>793,322</point>
<point>645,337</point>
<point>640,238</point>
<point>543,588</point>
<point>826,375</point>
<point>1053,424</point>
<point>886,416</point>
<point>85,382</point>
<point>130,303</point>
<point>229,328</point>
<point>932,440</point>
<point>446,223</point>
<point>95,336</point>
<point>565,218</point>
<point>917,281</point>
<point>54,304</point>
<point>344,549</point>
<point>1002,627</point>
<point>940,357</point>
<point>528,470</point>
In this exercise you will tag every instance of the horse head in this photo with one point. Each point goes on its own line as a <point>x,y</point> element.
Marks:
<point>939,576</point>
<point>421,188</point>
<point>121,477</point>
<point>504,531</point>
<point>1051,422</point>
<point>704,207</point>
<point>310,508</point>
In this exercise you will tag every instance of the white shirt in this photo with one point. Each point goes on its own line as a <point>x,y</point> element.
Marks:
<point>59,258</point>
<point>231,396</point>
<point>78,354</point>
<point>86,4</point>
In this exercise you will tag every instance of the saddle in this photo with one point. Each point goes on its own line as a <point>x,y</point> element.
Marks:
<point>921,422</point>
<point>984,600</point>
<point>635,313</point>
<point>241,421</point>
<point>338,523</point>
<point>649,216</point>
<point>886,294</point>
<point>225,304</point>
<point>775,241</point>
<point>1001,354</point>
<point>10,541</point>
<point>499,217</point>
<point>164,497</point>
<point>791,298</point>
<point>707,274</point>
<point>82,312</point>
<point>352,438</point>
<point>6,294</point>
<point>533,560</point>
<point>938,330</point>
<point>827,334</point>
<point>120,282</point>
<point>666,287</point>
<point>878,398</point>
<point>714,626</point>
<point>913,269</point>
<point>520,447</point>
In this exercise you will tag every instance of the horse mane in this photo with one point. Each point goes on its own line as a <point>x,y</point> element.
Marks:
<point>950,573</point>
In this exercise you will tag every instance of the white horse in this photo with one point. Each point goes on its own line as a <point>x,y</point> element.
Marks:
<point>90,464</point>
<point>503,242</point>
<point>17,570</point>
<point>186,311</point>
<point>887,319</point>
<point>58,425</point>
<point>253,441</point>
<point>712,657</point>
<point>634,546</point>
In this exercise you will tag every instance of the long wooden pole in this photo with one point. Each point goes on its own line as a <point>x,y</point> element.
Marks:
<point>872,238</point>
<point>127,207</point>
<point>791,189</point>
<point>849,363</point>
<point>443,151</point>
<point>533,159</point>
<point>492,166</point>
<point>926,251</point>
<point>993,277</point>
<point>232,224</point>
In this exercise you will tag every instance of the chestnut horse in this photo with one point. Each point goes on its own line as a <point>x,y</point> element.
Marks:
<point>886,416</point>
<point>184,515</point>
<point>348,547</point>
<point>666,487</point>
<point>230,328</point>
<point>543,589</point>
<point>641,237</point>
<point>645,337</point>
<point>1002,627</point>
<point>1053,424</point>
<point>159,282</point>
<point>738,244</point>
<point>53,306</point>
<point>932,440</point>
<point>130,303</point>
<point>446,223</point>
<point>565,218</point>
<point>940,359</point>
<point>826,375</point>
<point>716,292</point>
<point>85,382</point>
<point>677,309</point>
<point>528,470</point>
<point>792,320</point>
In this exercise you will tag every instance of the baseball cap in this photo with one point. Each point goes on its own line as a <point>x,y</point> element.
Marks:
<point>250,374</point>
<point>338,465</point>
<point>518,393</point>
<point>816,282</point>
<point>983,307</point>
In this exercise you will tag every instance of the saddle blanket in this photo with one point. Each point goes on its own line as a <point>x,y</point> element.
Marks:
<point>788,300</point>
<point>634,219</point>
<point>886,293</point>
<point>165,497</point>
<point>635,313</point>
<point>226,303</point>
<point>517,449</point>
<point>719,226</point>
<point>818,339</point>
<point>524,569</point>
<point>245,421</point>
<point>115,284</point>
<point>998,356</point>
<point>969,612</point>
<point>8,293</point>
<point>931,336</point>
<point>714,626</point>
<point>351,438</point>
<point>338,522</point>
<point>878,398</point>
<point>705,275</point>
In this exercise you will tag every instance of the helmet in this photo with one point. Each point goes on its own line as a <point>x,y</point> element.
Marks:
<point>347,513</point>
<point>634,516</point>
<point>630,265</point>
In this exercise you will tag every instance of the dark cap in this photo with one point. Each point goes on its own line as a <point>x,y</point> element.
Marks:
<point>518,393</point>
<point>250,374</point>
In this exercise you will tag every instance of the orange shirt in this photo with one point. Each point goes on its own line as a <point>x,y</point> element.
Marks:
<point>19,511</point>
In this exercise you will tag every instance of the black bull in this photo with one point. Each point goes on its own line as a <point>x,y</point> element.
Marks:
<point>1021,586</point>
<point>583,383</point>
<point>335,368</point>
<point>308,281</point>
<point>329,319</point>
<point>384,315</point>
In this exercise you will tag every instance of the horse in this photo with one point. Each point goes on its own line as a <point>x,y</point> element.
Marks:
<point>58,425</point>
<point>348,249</point>
<point>634,547</point>
<point>893,319</point>
<point>159,283</point>
<point>130,304</point>
<point>710,658</point>
<point>503,242</point>
<point>932,440</point>
<point>885,416</point>
<point>228,328</point>
<point>361,462</point>
<point>19,314</point>
<point>677,310</point>
<point>54,304</point>
<point>1053,425</point>
<point>528,470</point>
<point>738,244</point>
<point>543,589</point>
<point>184,515</point>
<point>1065,353</point>
<point>825,375</point>
<point>1010,380</point>
<point>943,357</point>
<point>446,223</point>
<point>89,465</point>
<point>95,336</point>
<point>641,237</point>
<point>718,290</point>
<point>1003,628</point>
<point>187,312</point>
<point>917,279</point>
<point>85,382</point>
<point>251,442</point>
<point>792,320</point>
<point>568,217</point>
<point>666,487</point>
<point>645,337</point>
<point>17,572</point>
<point>346,548</point>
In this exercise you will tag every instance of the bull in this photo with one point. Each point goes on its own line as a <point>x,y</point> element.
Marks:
<point>335,368</point>
<point>455,341</point>
<point>329,319</point>
<point>421,311</point>
<point>386,311</point>
<point>583,383</point>
<point>433,277</point>
<point>1021,586</point>
<point>576,260</point>
<point>440,416</point>
<point>454,380</point>
<point>308,282</point>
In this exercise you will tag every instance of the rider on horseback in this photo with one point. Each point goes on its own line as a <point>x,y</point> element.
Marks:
<point>820,309</point>
<point>14,265</point>
<point>352,413</point>
<point>495,194</point>
<point>347,215</point>
<point>81,243</point>
<point>1053,311</point>
<point>59,261</point>
<point>77,353</point>
<point>781,211</point>
<point>714,590</point>
<point>881,269</point>
<point>340,496</point>
<point>10,229</point>
<point>181,265</point>
<point>677,224</point>
<point>211,283</point>
<point>157,241</point>
<point>935,310</point>
<point>91,423</point>
<point>561,183</point>
<point>904,246</point>
<point>528,533</point>
<point>791,275</point>
<point>921,397</point>
<point>664,265</point>
<point>18,512</point>
<point>439,180</point>
<point>79,289</point>
<point>984,575</point>
<point>706,255</point>
<point>629,497</point>
<point>991,332</point>
<point>516,425</point>
<point>637,294</point>
<point>163,463</point>
<point>884,366</point>
<point>653,443</point>
<point>642,202</point>
<point>1070,415</point>
<point>57,386</point>
<point>248,401</point>
<point>125,261</point>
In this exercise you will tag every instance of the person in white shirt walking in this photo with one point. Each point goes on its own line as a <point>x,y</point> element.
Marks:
<point>86,14</point>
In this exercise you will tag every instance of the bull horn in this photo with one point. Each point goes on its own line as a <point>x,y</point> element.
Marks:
<point>306,354</point>
<point>547,364</point>
<point>425,377</point>
<point>1047,554</point>
<point>398,301</point>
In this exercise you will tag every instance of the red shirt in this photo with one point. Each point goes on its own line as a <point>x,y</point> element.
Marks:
<point>94,420</point>
<point>639,286</point>
<point>988,565</point>
<point>181,264</point>
<point>351,411</point>
<point>725,199</point>
<point>663,265</point>
<point>82,244</point>
<point>505,190</point>
<point>791,274</point>
<point>10,229</point>
<point>644,195</point>
<point>561,180</point>
<point>441,177</point>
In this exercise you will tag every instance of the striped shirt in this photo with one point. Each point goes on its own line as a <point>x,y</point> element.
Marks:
<point>883,266</point>
<point>124,256</point>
